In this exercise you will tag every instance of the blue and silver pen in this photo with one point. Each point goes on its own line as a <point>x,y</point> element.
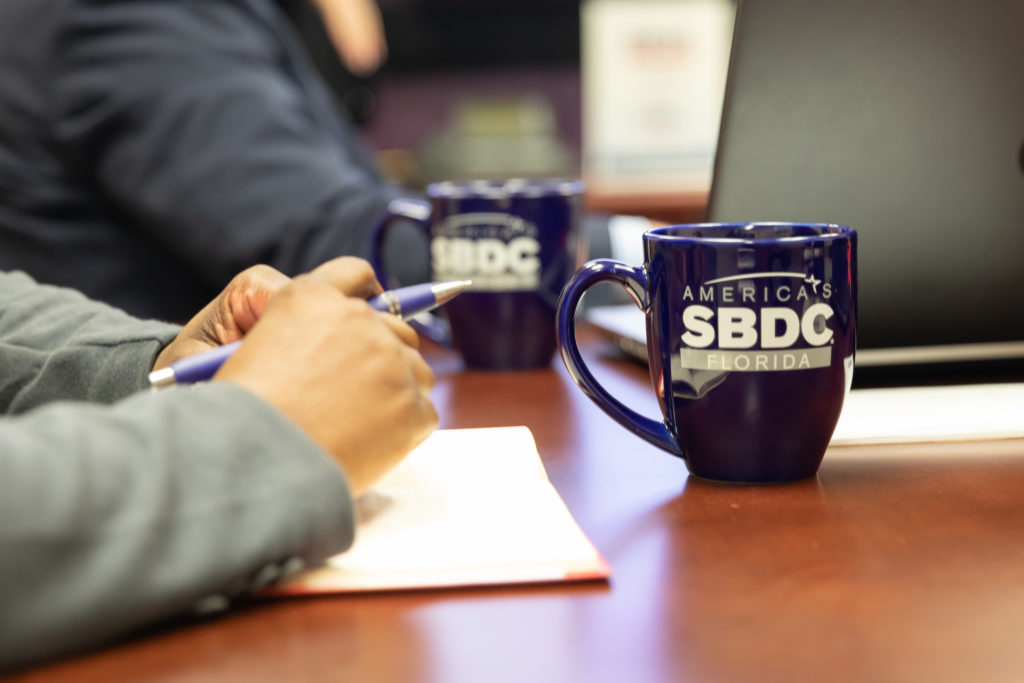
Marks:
<point>405,303</point>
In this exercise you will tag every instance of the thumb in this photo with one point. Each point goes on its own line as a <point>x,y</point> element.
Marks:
<point>246,297</point>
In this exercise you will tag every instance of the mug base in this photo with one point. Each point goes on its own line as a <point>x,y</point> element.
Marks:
<point>753,482</point>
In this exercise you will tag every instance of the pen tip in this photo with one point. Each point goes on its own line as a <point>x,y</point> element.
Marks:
<point>445,291</point>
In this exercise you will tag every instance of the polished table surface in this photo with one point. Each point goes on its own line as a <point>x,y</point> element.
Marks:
<point>894,564</point>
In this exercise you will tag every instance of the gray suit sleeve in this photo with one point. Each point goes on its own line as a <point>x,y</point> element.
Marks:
<point>55,344</point>
<point>114,516</point>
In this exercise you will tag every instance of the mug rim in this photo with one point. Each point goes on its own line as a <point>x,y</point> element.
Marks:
<point>671,233</point>
<point>506,188</point>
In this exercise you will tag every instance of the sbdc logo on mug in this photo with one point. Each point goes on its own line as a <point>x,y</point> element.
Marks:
<point>751,331</point>
<point>790,333</point>
<point>497,251</point>
<point>518,241</point>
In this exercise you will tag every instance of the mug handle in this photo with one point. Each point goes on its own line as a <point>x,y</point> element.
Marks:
<point>417,212</point>
<point>635,281</point>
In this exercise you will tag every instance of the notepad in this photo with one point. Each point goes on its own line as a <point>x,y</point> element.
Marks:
<point>468,507</point>
<point>931,414</point>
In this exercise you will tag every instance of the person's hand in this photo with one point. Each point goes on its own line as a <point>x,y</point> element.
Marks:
<point>350,377</point>
<point>228,317</point>
<point>357,33</point>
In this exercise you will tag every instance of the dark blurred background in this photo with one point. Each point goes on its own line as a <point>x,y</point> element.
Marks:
<point>466,83</point>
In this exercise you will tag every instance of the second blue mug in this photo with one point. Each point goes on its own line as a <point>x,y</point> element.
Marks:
<point>751,333</point>
<point>519,241</point>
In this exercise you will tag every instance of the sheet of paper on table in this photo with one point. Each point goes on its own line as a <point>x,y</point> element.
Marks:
<point>931,414</point>
<point>467,507</point>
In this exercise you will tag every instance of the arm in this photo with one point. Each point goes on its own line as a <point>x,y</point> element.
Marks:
<point>57,345</point>
<point>111,517</point>
<point>114,517</point>
<point>205,127</point>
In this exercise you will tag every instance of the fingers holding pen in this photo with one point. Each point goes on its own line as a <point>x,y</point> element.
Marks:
<point>228,317</point>
<point>402,330</point>
<point>348,375</point>
<point>355,278</point>
<point>351,276</point>
<point>244,300</point>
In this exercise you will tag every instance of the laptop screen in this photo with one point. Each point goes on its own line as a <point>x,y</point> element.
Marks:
<point>903,119</point>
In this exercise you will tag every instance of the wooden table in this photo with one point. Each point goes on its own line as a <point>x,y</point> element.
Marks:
<point>667,207</point>
<point>894,564</point>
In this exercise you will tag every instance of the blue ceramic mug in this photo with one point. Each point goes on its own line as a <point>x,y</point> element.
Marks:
<point>751,332</point>
<point>519,241</point>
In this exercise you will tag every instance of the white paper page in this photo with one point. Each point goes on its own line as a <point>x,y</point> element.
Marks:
<point>927,414</point>
<point>466,501</point>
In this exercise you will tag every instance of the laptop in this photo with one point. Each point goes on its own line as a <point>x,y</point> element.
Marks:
<point>903,119</point>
